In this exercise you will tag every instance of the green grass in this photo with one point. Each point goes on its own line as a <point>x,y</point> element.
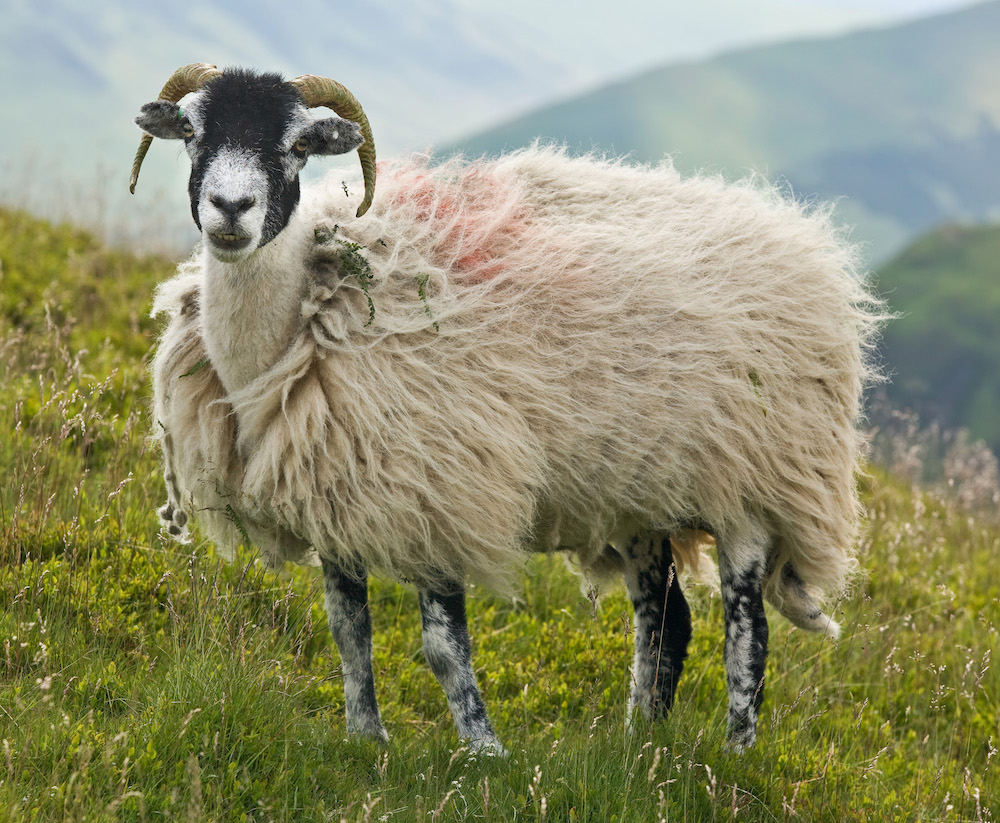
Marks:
<point>143,680</point>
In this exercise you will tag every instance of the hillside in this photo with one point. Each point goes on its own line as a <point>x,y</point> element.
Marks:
<point>142,680</point>
<point>903,122</point>
<point>943,353</point>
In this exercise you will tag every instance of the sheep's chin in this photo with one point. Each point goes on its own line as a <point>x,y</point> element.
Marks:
<point>229,248</point>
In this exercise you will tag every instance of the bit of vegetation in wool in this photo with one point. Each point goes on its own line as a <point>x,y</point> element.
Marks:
<point>422,293</point>
<point>352,263</point>
<point>197,367</point>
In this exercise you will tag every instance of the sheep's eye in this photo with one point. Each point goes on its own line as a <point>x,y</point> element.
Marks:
<point>187,130</point>
<point>301,147</point>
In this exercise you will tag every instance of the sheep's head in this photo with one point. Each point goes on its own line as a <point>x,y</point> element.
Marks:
<point>248,136</point>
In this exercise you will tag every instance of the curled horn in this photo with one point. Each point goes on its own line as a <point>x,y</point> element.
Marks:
<point>322,91</point>
<point>185,80</point>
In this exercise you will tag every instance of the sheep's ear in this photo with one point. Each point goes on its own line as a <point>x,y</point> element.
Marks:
<point>334,135</point>
<point>162,119</point>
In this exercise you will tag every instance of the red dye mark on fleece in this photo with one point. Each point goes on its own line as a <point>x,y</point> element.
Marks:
<point>476,220</point>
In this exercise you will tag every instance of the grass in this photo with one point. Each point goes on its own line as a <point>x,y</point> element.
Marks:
<point>143,680</point>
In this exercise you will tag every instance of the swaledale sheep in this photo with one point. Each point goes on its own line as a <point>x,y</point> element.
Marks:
<point>534,353</point>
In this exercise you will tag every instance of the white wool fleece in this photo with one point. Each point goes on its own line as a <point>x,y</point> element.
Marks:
<point>536,352</point>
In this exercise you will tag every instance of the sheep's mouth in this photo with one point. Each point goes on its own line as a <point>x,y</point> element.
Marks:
<point>229,242</point>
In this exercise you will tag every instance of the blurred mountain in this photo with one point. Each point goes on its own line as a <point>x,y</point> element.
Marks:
<point>943,353</point>
<point>903,123</point>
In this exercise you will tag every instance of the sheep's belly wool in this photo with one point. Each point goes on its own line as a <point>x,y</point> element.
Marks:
<point>534,353</point>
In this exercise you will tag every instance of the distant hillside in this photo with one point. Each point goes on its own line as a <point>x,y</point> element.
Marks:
<point>944,352</point>
<point>904,122</point>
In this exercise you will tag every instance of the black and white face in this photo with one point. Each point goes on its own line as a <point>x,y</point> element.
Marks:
<point>248,136</point>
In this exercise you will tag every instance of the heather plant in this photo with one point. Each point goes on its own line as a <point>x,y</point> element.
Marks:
<point>947,463</point>
<point>143,680</point>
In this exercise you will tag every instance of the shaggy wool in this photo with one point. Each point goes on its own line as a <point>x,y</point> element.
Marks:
<point>534,353</point>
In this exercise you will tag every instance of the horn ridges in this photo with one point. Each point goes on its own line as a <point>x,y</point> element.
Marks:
<point>322,91</point>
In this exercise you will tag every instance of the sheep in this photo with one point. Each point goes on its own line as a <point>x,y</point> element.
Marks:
<point>532,353</point>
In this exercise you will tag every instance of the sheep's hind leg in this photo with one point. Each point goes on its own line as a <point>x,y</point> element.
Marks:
<point>742,561</point>
<point>662,625</point>
<point>448,650</point>
<point>351,625</point>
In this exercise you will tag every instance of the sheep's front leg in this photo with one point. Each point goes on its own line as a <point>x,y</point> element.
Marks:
<point>741,567</point>
<point>351,625</point>
<point>662,625</point>
<point>449,653</point>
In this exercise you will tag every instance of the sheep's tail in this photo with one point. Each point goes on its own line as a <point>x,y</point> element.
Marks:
<point>785,590</point>
<point>788,593</point>
<point>690,549</point>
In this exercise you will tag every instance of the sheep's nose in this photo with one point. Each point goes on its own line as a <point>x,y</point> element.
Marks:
<point>232,208</point>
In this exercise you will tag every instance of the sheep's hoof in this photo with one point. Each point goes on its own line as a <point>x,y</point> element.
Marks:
<point>486,747</point>
<point>174,521</point>
<point>740,738</point>
<point>375,732</point>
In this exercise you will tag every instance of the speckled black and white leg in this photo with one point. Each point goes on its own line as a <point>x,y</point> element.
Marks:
<point>662,625</point>
<point>351,626</point>
<point>742,562</point>
<point>449,653</point>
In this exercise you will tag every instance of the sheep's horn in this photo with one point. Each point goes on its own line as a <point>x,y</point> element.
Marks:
<point>185,80</point>
<point>322,91</point>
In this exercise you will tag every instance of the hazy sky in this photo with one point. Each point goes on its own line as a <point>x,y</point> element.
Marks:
<point>593,39</point>
<point>473,64</point>
<point>430,72</point>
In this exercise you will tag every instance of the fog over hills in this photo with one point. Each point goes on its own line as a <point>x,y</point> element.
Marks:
<point>438,70</point>
<point>902,123</point>
<point>83,73</point>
